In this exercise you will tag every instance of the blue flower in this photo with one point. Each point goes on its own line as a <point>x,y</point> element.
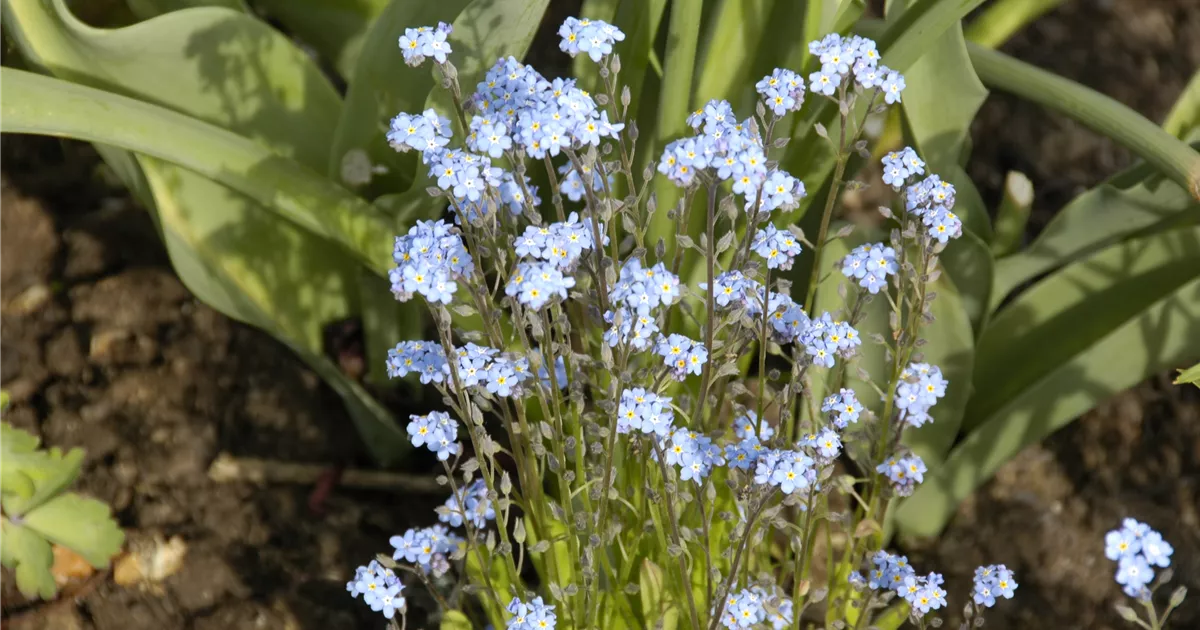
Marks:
<point>534,284</point>
<point>642,290</point>
<point>899,166</point>
<point>470,504</point>
<point>594,37</point>
<point>424,358</point>
<point>1137,549</point>
<point>682,356</point>
<point>426,131</point>
<point>433,251</point>
<point>437,431</point>
<point>904,473</point>
<point>992,581</point>
<point>823,339</point>
<point>844,406</point>
<point>418,43</point>
<point>870,265</point>
<point>778,247</point>
<point>824,81</point>
<point>746,427</point>
<point>380,588</point>
<point>534,615</point>
<point>628,327</point>
<point>644,411</point>
<point>892,85</point>
<point>782,91</point>
<point>920,388</point>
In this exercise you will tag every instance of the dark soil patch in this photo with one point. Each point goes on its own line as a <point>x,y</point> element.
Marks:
<point>105,349</point>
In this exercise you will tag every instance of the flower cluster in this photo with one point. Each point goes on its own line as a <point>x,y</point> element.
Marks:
<point>921,386</point>
<point>437,431</point>
<point>843,406</point>
<point>560,244</point>
<point>426,548</point>
<point>380,588</point>
<point>418,43</point>
<point>789,471</point>
<point>593,37</point>
<point>778,247</point>
<point>899,166</point>
<point>746,427</point>
<point>782,91</point>
<point>904,473</point>
<point>635,329</point>
<point>428,259</point>
<point>534,284</point>
<point>870,265</point>
<point>931,200</point>
<point>426,131</point>
<point>729,151</point>
<point>470,504</point>
<point>645,412</point>
<point>681,355</point>
<point>694,454</point>
<point>424,358</point>
<point>841,56</point>
<point>541,287</point>
<point>824,338</point>
<point>1137,549</point>
<point>992,581</point>
<point>752,606</point>
<point>535,615</point>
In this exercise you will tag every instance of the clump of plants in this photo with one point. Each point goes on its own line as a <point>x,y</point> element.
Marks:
<point>624,449</point>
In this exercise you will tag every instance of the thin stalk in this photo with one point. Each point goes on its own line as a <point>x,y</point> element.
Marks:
<point>684,575</point>
<point>709,301</point>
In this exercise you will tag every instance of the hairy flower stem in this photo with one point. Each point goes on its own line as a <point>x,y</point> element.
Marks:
<point>737,560</point>
<point>685,576</point>
<point>710,304</point>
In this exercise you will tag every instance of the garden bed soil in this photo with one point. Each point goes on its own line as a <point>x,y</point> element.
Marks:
<point>105,349</point>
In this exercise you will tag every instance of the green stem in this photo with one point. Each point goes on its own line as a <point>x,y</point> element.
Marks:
<point>1100,113</point>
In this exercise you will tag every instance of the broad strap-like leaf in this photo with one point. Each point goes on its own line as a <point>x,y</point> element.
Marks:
<point>1127,204</point>
<point>336,29</point>
<point>1079,336</point>
<point>381,86</point>
<point>45,106</point>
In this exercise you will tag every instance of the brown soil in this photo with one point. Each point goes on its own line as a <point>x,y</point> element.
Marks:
<point>106,350</point>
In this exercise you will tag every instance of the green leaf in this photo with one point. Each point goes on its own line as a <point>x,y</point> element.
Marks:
<point>455,620</point>
<point>30,556</point>
<point>1125,205</point>
<point>727,60</point>
<point>675,102</point>
<point>1013,213</point>
<point>335,28</point>
<point>1081,335</point>
<point>656,607</point>
<point>81,524</point>
<point>29,477</point>
<point>1185,113</point>
<point>146,9</point>
<point>1004,18</point>
<point>487,30</point>
<point>950,346</point>
<point>968,262</point>
<point>381,86</point>
<point>1105,115</point>
<point>35,104</point>
<point>1190,375</point>
<point>267,273</point>
<point>234,71</point>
